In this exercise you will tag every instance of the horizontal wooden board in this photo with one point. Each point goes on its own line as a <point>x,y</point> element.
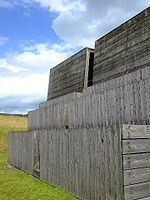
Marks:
<point>72,70</point>
<point>131,161</point>
<point>69,76</point>
<point>124,50</point>
<point>135,131</point>
<point>147,198</point>
<point>133,176</point>
<point>61,67</point>
<point>75,88</point>
<point>136,146</point>
<point>121,69</point>
<point>137,191</point>
<point>63,86</point>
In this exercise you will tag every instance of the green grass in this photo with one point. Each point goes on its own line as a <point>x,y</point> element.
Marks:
<point>15,184</point>
<point>3,160</point>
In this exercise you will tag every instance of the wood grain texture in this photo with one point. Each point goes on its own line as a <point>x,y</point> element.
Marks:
<point>85,161</point>
<point>136,161</point>
<point>134,176</point>
<point>136,131</point>
<point>123,50</point>
<point>133,161</point>
<point>137,191</point>
<point>69,76</point>
<point>136,146</point>
<point>124,100</point>
<point>89,162</point>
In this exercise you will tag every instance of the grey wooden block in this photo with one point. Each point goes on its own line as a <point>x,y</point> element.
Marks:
<point>134,176</point>
<point>133,161</point>
<point>136,146</point>
<point>135,131</point>
<point>137,191</point>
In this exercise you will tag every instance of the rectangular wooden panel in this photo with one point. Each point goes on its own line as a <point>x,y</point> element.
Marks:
<point>134,176</point>
<point>136,146</point>
<point>132,161</point>
<point>135,131</point>
<point>137,191</point>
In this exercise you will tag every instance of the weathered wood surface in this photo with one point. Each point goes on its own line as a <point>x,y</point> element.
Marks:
<point>124,49</point>
<point>137,191</point>
<point>62,99</point>
<point>136,132</point>
<point>85,161</point>
<point>100,105</point>
<point>133,161</point>
<point>136,161</point>
<point>136,146</point>
<point>135,176</point>
<point>20,152</point>
<point>69,76</point>
<point>89,162</point>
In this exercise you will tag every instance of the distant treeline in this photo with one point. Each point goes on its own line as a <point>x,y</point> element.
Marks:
<point>20,115</point>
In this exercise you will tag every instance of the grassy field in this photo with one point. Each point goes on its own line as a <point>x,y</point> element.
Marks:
<point>15,184</point>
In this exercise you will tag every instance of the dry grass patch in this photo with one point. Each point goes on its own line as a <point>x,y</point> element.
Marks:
<point>10,123</point>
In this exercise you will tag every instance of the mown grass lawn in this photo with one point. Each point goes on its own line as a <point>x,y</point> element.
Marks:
<point>15,184</point>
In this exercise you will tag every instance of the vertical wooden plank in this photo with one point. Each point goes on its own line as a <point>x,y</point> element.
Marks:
<point>137,102</point>
<point>147,97</point>
<point>50,162</point>
<point>127,104</point>
<point>118,161</point>
<point>143,102</point>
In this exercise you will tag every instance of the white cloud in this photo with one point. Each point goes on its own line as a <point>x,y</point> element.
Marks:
<point>3,40</point>
<point>40,56</point>
<point>81,22</point>
<point>26,82</point>
<point>5,65</point>
<point>34,84</point>
<point>62,5</point>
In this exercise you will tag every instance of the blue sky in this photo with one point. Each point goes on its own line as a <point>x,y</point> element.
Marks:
<point>35,35</point>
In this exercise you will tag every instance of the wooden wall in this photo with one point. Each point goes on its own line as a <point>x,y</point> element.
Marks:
<point>85,161</point>
<point>136,161</point>
<point>118,101</point>
<point>107,162</point>
<point>70,75</point>
<point>125,49</point>
<point>82,161</point>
